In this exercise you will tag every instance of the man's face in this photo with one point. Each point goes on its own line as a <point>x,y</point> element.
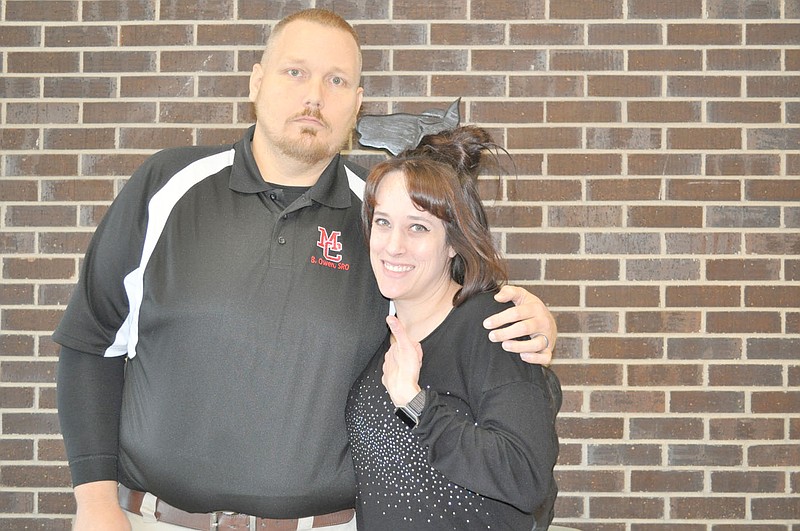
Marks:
<point>306,92</point>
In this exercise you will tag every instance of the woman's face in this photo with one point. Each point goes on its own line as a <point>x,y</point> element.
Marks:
<point>407,246</point>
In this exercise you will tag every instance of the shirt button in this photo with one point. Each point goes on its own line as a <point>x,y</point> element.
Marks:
<point>286,216</point>
<point>272,196</point>
<point>281,240</point>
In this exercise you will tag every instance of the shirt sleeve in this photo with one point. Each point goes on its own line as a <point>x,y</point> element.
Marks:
<point>89,397</point>
<point>509,450</point>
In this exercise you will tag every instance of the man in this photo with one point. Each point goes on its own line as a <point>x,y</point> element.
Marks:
<point>236,283</point>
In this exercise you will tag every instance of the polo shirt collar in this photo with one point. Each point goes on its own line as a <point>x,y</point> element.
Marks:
<point>331,189</point>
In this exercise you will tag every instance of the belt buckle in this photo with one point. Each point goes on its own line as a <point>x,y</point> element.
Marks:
<point>217,515</point>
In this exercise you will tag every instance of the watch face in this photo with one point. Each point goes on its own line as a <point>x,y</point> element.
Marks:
<point>407,417</point>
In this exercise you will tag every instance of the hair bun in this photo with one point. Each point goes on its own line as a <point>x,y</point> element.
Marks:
<point>462,148</point>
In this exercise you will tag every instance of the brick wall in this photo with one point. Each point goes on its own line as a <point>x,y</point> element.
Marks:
<point>656,209</point>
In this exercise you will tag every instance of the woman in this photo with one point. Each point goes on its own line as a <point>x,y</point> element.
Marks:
<point>447,430</point>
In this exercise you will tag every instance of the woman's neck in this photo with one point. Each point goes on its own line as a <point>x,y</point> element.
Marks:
<point>421,317</point>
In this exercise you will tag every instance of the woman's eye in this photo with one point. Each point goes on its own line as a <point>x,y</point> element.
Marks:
<point>419,228</point>
<point>380,222</point>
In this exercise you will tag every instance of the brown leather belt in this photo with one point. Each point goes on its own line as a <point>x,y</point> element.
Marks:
<point>131,500</point>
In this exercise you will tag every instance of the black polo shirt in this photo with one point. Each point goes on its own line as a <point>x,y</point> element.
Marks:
<point>245,325</point>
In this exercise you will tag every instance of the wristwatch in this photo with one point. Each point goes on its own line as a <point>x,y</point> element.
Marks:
<point>411,412</point>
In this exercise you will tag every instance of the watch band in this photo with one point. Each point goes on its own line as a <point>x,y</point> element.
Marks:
<point>411,412</point>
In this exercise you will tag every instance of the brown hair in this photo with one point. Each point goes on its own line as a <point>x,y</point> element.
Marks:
<point>323,17</point>
<point>440,176</point>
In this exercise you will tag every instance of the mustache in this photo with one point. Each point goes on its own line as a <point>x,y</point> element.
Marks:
<point>311,113</point>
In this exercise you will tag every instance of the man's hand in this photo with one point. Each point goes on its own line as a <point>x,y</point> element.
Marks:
<point>401,365</point>
<point>98,508</point>
<point>530,317</point>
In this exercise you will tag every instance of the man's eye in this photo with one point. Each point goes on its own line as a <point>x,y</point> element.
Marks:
<point>294,72</point>
<point>338,81</point>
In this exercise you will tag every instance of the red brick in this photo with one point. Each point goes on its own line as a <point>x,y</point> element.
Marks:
<point>772,243</point>
<point>773,86</point>
<point>656,9</point>
<point>745,9</point>
<point>40,216</point>
<point>704,34</point>
<point>663,269</point>
<point>541,243</point>
<point>588,164</point>
<point>38,268</point>
<point>666,428</point>
<point>584,374</point>
<point>33,320</point>
<point>625,348</point>
<point>664,111</point>
<point>742,164</point>
<point>595,428</point>
<point>547,34</point>
<point>707,401</point>
<point>83,138</point>
<point>582,60</point>
<point>203,10</point>
<point>582,270</point>
<point>712,507</point>
<point>507,112</point>
<point>623,138</point>
<point>664,375</point>
<point>43,62</point>
<point>735,375</point>
<point>19,190</point>
<point>623,189</point>
<point>16,345</point>
<point>775,401</point>
<point>192,112</point>
<point>622,243</point>
<point>561,86</point>
<point>111,164</point>
<point>773,348</point>
<point>769,455</point>
<point>544,138</point>
<point>410,10</point>
<point>704,348</point>
<point>785,509</point>
<point>665,60</point>
<point>656,216</point>
<point>241,34</point>
<point>462,86</point>
<point>772,296</point>
<point>622,296</point>
<point>623,454</point>
<point>739,59</point>
<point>596,322</point>
<point>508,9</point>
<point>699,86</point>
<point>590,481</point>
<point>544,190</point>
<point>522,270</point>
<point>703,190</point>
<point>79,87</point>
<point>742,216</point>
<point>743,322</point>
<point>750,481</point>
<point>703,138</point>
<point>669,164</point>
<point>777,34</point>
<point>222,86</point>
<point>81,36</point>
<point>662,322</point>
<point>626,508</point>
<point>623,85</point>
<point>119,61</point>
<point>627,401</point>
<point>605,34</point>
<point>42,10</point>
<point>744,112</point>
<point>119,112</point>
<point>97,10</point>
<point>734,429</point>
<point>666,481</point>
<point>701,455</point>
<point>703,296</point>
<point>197,61</point>
<point>157,34</point>
<point>20,36</point>
<point>441,34</point>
